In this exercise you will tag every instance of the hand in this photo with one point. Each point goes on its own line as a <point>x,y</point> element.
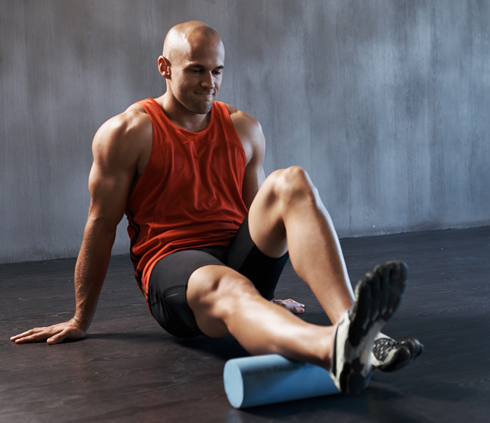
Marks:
<point>51,334</point>
<point>291,305</point>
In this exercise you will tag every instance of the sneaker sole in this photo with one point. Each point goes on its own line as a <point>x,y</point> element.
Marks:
<point>377,297</point>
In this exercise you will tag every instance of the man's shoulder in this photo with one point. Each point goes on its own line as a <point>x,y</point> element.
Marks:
<point>133,119</point>
<point>133,122</point>
<point>249,131</point>
<point>128,132</point>
<point>242,121</point>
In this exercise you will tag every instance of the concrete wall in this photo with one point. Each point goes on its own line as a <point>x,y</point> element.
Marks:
<point>385,102</point>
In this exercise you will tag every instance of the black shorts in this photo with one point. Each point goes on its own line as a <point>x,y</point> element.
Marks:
<point>168,280</point>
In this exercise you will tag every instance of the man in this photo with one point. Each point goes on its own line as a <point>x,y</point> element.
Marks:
<point>210,235</point>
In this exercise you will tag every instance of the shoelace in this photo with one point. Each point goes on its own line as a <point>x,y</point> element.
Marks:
<point>382,347</point>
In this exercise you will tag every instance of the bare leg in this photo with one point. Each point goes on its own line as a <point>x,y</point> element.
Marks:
<point>288,212</point>
<point>225,302</point>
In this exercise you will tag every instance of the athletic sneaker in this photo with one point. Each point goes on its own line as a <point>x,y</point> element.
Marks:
<point>377,296</point>
<point>389,355</point>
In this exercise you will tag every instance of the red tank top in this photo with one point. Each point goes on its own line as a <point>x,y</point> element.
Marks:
<point>190,194</point>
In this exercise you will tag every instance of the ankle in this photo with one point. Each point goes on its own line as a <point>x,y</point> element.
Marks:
<point>325,349</point>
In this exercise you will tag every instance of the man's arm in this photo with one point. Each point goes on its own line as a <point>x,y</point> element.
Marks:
<point>116,153</point>
<point>250,133</point>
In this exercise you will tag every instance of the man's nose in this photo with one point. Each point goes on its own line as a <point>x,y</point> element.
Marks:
<point>208,80</point>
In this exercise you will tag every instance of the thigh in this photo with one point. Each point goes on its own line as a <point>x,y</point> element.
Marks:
<point>246,258</point>
<point>168,288</point>
<point>283,198</point>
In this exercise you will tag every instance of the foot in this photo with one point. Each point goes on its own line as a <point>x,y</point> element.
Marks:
<point>377,296</point>
<point>389,355</point>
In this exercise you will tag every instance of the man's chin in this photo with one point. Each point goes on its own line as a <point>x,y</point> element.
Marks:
<point>203,108</point>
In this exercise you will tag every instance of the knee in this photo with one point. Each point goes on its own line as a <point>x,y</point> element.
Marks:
<point>293,184</point>
<point>215,294</point>
<point>233,288</point>
<point>233,294</point>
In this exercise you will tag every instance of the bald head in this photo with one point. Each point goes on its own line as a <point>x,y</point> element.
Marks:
<point>186,36</point>
<point>192,64</point>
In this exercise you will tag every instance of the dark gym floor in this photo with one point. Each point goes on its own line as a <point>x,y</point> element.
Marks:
<point>130,370</point>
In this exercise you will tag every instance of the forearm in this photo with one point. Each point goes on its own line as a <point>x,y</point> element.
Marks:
<point>91,268</point>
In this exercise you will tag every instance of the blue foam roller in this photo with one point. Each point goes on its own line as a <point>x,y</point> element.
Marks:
<point>268,379</point>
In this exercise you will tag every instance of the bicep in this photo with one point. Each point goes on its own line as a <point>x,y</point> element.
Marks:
<point>109,192</point>
<point>110,178</point>
<point>254,172</point>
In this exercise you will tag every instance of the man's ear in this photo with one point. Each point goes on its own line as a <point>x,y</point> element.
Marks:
<point>164,67</point>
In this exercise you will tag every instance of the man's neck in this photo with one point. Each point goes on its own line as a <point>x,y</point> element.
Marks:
<point>182,117</point>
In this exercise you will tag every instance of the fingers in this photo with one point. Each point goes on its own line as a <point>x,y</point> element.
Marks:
<point>291,305</point>
<point>68,333</point>
<point>51,334</point>
<point>294,306</point>
<point>56,339</point>
<point>33,335</point>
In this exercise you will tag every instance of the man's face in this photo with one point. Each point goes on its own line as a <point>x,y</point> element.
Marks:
<point>196,73</point>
